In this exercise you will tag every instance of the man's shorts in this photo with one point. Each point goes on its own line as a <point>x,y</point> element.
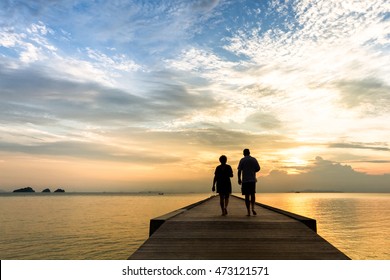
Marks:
<point>248,188</point>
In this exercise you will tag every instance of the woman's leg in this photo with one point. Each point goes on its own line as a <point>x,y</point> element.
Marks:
<point>226,202</point>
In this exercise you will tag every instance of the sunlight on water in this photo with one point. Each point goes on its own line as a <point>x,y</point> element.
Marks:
<point>113,226</point>
<point>357,224</point>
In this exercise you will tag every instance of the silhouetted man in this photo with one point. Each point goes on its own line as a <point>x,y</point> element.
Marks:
<point>248,167</point>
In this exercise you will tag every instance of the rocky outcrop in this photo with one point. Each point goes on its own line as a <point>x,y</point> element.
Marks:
<point>31,190</point>
<point>27,189</point>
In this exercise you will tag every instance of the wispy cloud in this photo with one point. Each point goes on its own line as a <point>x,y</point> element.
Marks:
<point>85,150</point>
<point>373,146</point>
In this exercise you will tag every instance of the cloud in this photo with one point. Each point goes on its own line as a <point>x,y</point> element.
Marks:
<point>30,45</point>
<point>62,98</point>
<point>326,42</point>
<point>219,138</point>
<point>87,150</point>
<point>202,62</point>
<point>374,161</point>
<point>149,27</point>
<point>51,116</point>
<point>204,5</point>
<point>370,94</point>
<point>364,146</point>
<point>8,38</point>
<point>325,175</point>
<point>118,62</point>
<point>91,102</point>
<point>264,121</point>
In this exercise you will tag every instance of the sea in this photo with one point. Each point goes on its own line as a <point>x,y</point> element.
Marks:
<point>111,226</point>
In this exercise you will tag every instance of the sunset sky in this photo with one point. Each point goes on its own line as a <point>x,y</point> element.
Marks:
<point>146,95</point>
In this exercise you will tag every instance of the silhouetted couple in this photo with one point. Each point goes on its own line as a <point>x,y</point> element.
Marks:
<point>247,169</point>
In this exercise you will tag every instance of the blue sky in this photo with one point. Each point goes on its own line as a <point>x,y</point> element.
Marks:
<point>129,95</point>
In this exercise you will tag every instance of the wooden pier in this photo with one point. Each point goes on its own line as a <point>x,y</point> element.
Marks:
<point>200,232</point>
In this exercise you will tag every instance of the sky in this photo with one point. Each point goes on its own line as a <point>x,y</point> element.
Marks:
<point>146,95</point>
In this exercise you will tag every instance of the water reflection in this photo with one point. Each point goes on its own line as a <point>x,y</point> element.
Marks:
<point>357,224</point>
<point>80,226</point>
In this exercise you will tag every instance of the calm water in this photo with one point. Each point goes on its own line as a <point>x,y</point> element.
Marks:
<point>113,226</point>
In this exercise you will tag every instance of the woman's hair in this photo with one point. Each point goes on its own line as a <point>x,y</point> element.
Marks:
<point>223,159</point>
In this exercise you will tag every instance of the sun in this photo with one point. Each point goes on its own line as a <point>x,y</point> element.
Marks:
<point>295,165</point>
<point>297,161</point>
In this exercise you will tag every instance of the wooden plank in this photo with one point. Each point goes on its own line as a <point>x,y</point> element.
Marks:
<point>200,232</point>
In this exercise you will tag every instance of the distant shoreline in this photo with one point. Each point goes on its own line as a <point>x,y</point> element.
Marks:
<point>10,193</point>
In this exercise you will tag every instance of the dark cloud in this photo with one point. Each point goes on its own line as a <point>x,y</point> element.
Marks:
<point>219,137</point>
<point>325,175</point>
<point>146,143</point>
<point>87,150</point>
<point>374,161</point>
<point>372,94</point>
<point>14,113</point>
<point>364,146</point>
<point>174,99</point>
<point>264,121</point>
<point>28,89</point>
<point>34,95</point>
<point>209,138</point>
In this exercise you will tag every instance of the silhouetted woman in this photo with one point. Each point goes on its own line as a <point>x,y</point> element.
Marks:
<point>222,176</point>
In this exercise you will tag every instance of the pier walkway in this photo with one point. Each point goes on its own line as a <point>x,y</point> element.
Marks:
<point>200,232</point>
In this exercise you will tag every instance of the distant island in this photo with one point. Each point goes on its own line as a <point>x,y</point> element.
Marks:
<point>31,190</point>
<point>27,189</point>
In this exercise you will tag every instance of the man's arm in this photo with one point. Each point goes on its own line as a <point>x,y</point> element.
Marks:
<point>258,166</point>
<point>239,176</point>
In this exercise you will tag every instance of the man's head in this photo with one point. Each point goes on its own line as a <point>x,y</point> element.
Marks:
<point>246,152</point>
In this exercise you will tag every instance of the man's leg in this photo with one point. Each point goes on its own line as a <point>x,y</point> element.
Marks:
<point>253,200</point>
<point>247,204</point>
